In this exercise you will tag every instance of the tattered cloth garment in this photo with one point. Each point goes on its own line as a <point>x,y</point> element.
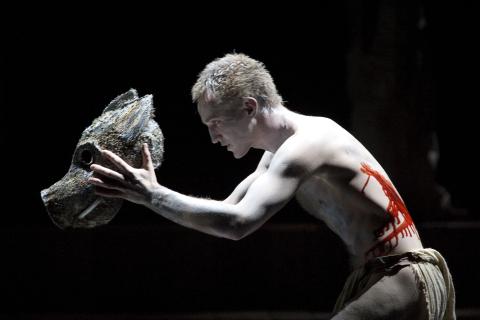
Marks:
<point>431,273</point>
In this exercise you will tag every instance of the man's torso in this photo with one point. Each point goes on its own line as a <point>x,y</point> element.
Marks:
<point>351,193</point>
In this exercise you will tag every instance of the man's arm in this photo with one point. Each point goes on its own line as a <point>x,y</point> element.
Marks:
<point>269,192</point>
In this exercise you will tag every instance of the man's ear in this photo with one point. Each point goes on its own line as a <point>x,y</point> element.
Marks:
<point>250,105</point>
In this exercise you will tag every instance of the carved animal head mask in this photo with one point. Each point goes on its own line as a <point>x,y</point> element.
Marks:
<point>125,124</point>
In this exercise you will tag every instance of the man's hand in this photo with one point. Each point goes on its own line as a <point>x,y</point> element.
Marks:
<point>132,184</point>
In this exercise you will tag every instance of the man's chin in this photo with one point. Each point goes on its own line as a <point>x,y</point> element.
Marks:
<point>238,155</point>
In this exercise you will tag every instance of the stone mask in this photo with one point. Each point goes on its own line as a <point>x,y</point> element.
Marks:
<point>125,124</point>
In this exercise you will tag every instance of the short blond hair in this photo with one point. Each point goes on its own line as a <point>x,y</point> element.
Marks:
<point>234,76</point>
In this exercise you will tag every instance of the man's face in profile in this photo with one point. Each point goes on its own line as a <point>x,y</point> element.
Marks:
<point>227,125</point>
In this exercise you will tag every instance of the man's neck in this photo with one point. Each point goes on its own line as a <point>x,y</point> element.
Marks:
<point>275,127</point>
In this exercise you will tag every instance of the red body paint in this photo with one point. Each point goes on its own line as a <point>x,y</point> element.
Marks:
<point>396,210</point>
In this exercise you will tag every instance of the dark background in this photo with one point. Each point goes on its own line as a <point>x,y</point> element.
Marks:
<point>60,70</point>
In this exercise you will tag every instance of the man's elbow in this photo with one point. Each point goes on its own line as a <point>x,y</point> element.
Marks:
<point>235,236</point>
<point>239,229</point>
<point>232,234</point>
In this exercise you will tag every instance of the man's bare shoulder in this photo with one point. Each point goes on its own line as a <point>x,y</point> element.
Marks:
<point>308,148</point>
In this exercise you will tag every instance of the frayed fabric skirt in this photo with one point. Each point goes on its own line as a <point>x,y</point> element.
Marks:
<point>431,274</point>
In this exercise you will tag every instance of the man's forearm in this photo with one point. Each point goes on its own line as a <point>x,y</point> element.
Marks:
<point>209,216</point>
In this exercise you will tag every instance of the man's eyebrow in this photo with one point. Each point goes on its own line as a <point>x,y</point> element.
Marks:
<point>213,118</point>
<point>208,120</point>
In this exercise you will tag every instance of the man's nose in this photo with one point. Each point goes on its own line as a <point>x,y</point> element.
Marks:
<point>214,135</point>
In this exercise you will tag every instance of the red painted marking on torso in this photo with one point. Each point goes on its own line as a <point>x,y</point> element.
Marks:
<point>394,225</point>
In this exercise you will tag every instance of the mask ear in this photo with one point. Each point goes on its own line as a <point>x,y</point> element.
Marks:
<point>122,100</point>
<point>126,117</point>
<point>133,119</point>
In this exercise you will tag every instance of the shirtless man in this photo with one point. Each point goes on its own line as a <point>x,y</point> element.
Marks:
<point>332,175</point>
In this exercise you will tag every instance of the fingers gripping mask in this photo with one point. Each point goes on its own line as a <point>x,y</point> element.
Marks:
<point>125,124</point>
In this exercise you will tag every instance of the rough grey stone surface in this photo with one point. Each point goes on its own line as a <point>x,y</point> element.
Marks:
<point>125,124</point>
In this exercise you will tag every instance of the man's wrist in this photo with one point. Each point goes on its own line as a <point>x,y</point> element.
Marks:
<point>157,197</point>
